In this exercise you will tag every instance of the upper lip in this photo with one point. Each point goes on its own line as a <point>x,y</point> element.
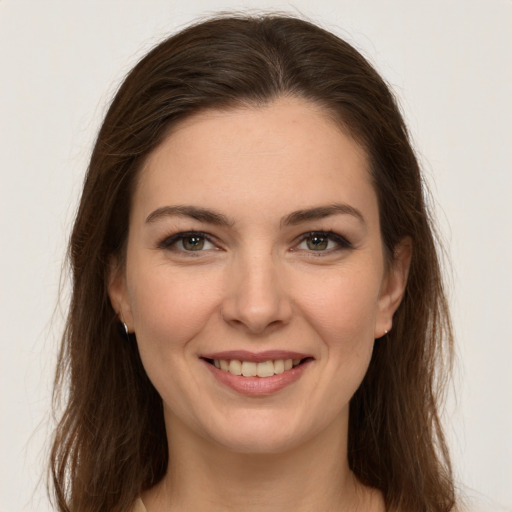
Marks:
<point>256,357</point>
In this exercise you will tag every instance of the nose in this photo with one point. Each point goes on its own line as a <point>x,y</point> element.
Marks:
<point>256,299</point>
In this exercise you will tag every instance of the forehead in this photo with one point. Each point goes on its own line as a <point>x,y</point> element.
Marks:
<point>290,151</point>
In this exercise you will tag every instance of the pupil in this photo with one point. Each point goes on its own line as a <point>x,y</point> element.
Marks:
<point>317,243</point>
<point>193,243</point>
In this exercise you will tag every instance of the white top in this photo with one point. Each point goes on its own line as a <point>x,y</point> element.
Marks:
<point>139,506</point>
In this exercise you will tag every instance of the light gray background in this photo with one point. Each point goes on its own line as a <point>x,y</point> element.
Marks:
<point>450,63</point>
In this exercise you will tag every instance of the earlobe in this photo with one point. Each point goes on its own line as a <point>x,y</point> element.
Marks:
<point>394,285</point>
<point>118,294</point>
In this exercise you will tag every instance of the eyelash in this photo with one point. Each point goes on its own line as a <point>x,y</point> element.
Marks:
<point>170,242</point>
<point>341,242</point>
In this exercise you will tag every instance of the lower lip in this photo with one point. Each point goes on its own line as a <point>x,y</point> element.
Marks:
<point>258,386</point>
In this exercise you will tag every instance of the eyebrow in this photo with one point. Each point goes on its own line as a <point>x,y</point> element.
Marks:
<point>321,212</point>
<point>218,219</point>
<point>194,212</point>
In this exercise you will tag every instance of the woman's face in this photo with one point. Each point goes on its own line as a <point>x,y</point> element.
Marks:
<point>254,246</point>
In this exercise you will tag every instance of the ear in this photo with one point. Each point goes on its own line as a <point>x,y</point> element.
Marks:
<point>118,292</point>
<point>393,286</point>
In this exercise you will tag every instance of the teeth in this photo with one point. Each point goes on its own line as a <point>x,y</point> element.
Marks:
<point>249,369</point>
<point>265,369</point>
<point>235,367</point>
<point>278,366</point>
<point>252,369</point>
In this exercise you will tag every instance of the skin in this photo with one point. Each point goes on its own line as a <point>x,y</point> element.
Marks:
<point>258,285</point>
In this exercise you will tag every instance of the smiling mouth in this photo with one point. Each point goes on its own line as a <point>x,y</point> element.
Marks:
<point>256,369</point>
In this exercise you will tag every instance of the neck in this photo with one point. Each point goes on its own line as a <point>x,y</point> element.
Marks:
<point>203,476</point>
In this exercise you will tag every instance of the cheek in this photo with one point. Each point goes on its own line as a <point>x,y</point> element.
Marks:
<point>170,307</point>
<point>343,306</point>
<point>342,311</point>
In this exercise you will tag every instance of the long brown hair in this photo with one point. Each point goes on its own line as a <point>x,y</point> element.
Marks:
<point>110,443</point>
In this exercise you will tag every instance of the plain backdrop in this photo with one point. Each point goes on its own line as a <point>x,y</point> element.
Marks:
<point>450,64</point>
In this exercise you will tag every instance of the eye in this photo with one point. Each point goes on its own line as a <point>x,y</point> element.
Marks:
<point>194,243</point>
<point>188,242</point>
<point>322,241</point>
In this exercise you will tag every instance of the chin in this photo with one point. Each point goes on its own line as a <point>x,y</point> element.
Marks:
<point>259,445</point>
<point>261,436</point>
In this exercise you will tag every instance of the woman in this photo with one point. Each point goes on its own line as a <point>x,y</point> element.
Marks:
<point>258,318</point>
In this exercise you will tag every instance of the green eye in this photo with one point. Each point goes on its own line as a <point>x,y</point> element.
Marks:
<point>187,242</point>
<point>193,243</point>
<point>317,242</point>
<point>323,241</point>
